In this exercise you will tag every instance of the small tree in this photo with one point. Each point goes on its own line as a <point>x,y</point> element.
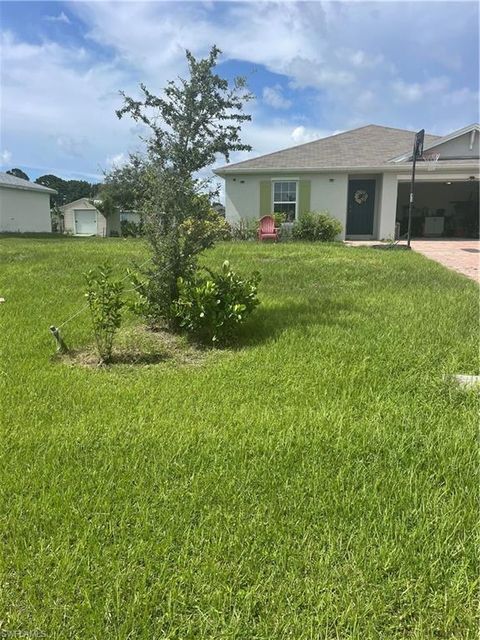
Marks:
<point>126,184</point>
<point>190,124</point>
<point>105,205</point>
<point>104,296</point>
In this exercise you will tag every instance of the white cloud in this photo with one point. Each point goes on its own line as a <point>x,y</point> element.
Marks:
<point>273,97</point>
<point>416,91</point>
<point>71,128</point>
<point>459,98</point>
<point>6,156</point>
<point>71,146</point>
<point>363,60</point>
<point>302,134</point>
<point>307,72</point>
<point>63,114</point>
<point>117,160</point>
<point>62,17</point>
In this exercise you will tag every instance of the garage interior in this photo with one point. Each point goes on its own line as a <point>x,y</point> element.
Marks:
<point>446,209</point>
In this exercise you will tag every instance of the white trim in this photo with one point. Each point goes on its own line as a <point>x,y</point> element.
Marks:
<point>447,138</point>
<point>85,200</point>
<point>382,168</point>
<point>453,135</point>
<point>36,188</point>
<point>439,176</point>
<point>272,200</point>
<point>472,138</point>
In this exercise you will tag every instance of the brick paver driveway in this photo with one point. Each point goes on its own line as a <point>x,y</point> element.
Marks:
<point>460,255</point>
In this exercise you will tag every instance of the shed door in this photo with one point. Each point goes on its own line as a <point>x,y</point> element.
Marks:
<point>85,222</point>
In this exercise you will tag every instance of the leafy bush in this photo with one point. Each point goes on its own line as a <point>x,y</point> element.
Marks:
<point>176,243</point>
<point>203,232</point>
<point>211,305</point>
<point>279,218</point>
<point>244,229</point>
<point>104,297</point>
<point>317,227</point>
<point>130,228</point>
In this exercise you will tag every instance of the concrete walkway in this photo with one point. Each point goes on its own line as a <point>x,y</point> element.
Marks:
<point>459,255</point>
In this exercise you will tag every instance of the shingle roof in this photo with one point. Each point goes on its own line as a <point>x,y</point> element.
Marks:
<point>12,182</point>
<point>369,146</point>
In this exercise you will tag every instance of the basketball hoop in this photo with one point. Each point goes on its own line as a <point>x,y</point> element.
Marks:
<point>431,161</point>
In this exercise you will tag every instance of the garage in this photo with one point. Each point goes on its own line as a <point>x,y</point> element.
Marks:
<point>85,222</point>
<point>82,218</point>
<point>442,208</point>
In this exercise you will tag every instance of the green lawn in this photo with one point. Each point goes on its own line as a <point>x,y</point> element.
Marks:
<point>317,482</point>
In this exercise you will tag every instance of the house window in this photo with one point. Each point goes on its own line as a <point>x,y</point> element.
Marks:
<point>285,199</point>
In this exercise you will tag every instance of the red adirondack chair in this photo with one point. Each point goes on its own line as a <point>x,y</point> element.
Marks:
<point>267,229</point>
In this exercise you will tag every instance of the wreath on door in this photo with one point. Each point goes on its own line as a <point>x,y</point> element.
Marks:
<point>360,196</point>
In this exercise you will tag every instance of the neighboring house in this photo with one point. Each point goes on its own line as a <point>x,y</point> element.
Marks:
<point>24,205</point>
<point>362,178</point>
<point>82,218</point>
<point>130,216</point>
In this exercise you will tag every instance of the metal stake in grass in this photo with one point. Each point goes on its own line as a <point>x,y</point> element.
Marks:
<point>60,342</point>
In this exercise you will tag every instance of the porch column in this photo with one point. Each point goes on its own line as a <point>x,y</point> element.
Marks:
<point>388,206</point>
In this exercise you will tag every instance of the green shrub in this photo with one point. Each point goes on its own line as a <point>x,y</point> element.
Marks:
<point>130,228</point>
<point>211,305</point>
<point>244,229</point>
<point>317,227</point>
<point>203,232</point>
<point>279,218</point>
<point>104,296</point>
<point>176,244</point>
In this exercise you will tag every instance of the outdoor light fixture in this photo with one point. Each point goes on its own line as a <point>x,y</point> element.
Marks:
<point>448,183</point>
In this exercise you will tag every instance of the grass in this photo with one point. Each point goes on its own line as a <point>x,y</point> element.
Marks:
<point>319,481</point>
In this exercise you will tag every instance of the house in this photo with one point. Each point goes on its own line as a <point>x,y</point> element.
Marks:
<point>130,216</point>
<point>82,218</point>
<point>24,205</point>
<point>362,177</point>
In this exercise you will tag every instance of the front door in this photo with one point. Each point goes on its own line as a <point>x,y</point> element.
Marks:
<point>361,207</point>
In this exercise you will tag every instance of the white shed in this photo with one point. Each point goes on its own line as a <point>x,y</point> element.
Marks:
<point>82,218</point>
<point>24,206</point>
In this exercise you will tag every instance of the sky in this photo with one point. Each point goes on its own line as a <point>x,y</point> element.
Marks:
<point>315,68</point>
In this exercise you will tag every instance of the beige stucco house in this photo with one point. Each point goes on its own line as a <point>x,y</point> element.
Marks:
<point>24,205</point>
<point>362,178</point>
<point>82,218</point>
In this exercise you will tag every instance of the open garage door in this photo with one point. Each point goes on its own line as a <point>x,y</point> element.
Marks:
<point>85,222</point>
<point>442,209</point>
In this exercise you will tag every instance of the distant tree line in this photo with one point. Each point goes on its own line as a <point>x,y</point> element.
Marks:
<point>67,190</point>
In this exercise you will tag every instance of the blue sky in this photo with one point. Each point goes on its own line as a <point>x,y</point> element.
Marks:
<point>316,68</point>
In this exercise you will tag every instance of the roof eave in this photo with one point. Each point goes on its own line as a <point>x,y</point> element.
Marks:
<point>442,140</point>
<point>394,168</point>
<point>33,189</point>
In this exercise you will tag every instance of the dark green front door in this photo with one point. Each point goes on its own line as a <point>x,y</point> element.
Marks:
<point>361,207</point>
